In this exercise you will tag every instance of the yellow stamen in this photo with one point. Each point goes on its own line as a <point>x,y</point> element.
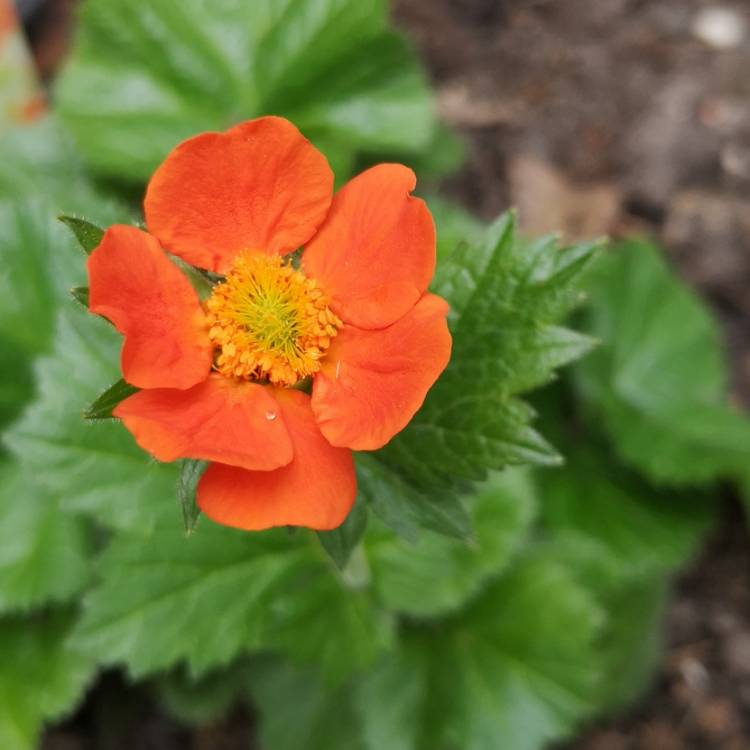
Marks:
<point>269,321</point>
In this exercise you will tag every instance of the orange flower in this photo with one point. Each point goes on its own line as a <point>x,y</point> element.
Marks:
<point>225,380</point>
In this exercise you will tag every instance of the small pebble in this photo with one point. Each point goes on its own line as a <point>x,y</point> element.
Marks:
<point>719,27</point>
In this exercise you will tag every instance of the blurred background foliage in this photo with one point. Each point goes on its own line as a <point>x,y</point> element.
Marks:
<point>504,576</point>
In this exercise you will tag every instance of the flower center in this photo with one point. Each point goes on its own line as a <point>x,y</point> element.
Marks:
<point>269,321</point>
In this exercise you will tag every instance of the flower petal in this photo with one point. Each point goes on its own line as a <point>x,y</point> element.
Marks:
<point>258,186</point>
<point>149,300</point>
<point>375,254</point>
<point>373,382</point>
<point>317,489</point>
<point>218,420</point>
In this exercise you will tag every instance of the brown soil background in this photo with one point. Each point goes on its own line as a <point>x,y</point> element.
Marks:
<point>612,117</point>
<point>592,117</point>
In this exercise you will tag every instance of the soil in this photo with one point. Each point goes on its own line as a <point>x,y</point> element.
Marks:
<point>609,117</point>
<point>592,117</point>
<point>604,117</point>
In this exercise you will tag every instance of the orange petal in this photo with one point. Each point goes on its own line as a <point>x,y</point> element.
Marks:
<point>373,382</point>
<point>220,419</point>
<point>375,254</point>
<point>149,300</point>
<point>258,186</point>
<point>317,489</point>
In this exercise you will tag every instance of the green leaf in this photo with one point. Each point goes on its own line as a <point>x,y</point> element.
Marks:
<point>104,404</point>
<point>328,620</point>
<point>506,297</point>
<point>16,381</point>
<point>659,379</point>
<point>160,593</point>
<point>91,467</point>
<point>205,700</point>
<point>141,80</point>
<point>404,508</point>
<point>339,543</point>
<point>40,264</point>
<point>191,470</point>
<point>632,640</point>
<point>299,711</point>
<point>88,235</point>
<point>81,295</point>
<point>517,669</point>
<point>40,159</point>
<point>198,280</point>
<point>436,575</point>
<point>633,601</point>
<point>645,532</point>
<point>44,553</point>
<point>41,677</point>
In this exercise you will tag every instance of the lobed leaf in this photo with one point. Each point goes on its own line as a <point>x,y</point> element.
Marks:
<point>517,668</point>
<point>436,575</point>
<point>644,532</point>
<point>159,596</point>
<point>659,379</point>
<point>300,712</point>
<point>140,80</point>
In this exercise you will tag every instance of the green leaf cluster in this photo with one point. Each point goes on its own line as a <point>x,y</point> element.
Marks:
<point>142,78</point>
<point>658,383</point>
<point>483,593</point>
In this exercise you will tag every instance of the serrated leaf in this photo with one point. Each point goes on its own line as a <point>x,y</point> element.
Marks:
<point>339,543</point>
<point>299,711</point>
<point>104,404</point>
<point>404,508</point>
<point>506,297</point>
<point>92,467</point>
<point>160,593</point>
<point>44,553</point>
<point>657,385</point>
<point>190,472</point>
<point>39,255</point>
<point>41,677</point>
<point>161,74</point>
<point>36,253</point>
<point>517,669</point>
<point>40,264</point>
<point>88,235</point>
<point>436,575</point>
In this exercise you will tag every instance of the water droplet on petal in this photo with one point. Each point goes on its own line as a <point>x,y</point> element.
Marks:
<point>270,415</point>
